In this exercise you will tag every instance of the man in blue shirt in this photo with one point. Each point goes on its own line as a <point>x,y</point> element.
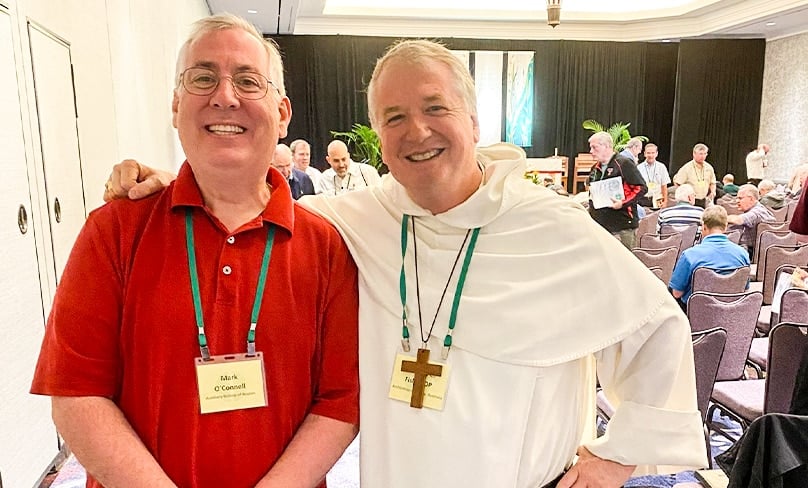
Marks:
<point>715,251</point>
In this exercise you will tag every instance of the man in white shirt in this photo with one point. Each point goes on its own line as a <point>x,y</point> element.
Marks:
<point>301,155</point>
<point>509,398</point>
<point>756,164</point>
<point>656,176</point>
<point>345,175</point>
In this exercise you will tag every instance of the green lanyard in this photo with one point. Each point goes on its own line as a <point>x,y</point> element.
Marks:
<point>461,281</point>
<point>259,292</point>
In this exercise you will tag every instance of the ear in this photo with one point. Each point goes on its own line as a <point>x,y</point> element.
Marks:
<point>285,110</point>
<point>175,103</point>
<point>476,126</point>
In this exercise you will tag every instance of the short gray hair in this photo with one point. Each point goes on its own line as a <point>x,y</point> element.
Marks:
<point>683,192</point>
<point>749,189</point>
<point>419,52</point>
<point>634,142</point>
<point>766,185</point>
<point>603,138</point>
<point>701,147</point>
<point>214,23</point>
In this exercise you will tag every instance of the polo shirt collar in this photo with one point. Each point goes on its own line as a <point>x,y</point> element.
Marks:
<point>279,210</point>
<point>715,237</point>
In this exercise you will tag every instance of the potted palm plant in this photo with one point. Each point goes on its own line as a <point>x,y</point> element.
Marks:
<point>618,131</point>
<point>364,144</point>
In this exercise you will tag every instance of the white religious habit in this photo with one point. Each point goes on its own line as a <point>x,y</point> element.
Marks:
<point>548,294</point>
<point>359,175</point>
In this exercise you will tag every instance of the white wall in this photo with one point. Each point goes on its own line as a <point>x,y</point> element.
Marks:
<point>784,106</point>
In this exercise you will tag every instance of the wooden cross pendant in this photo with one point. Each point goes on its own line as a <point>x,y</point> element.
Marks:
<point>421,368</point>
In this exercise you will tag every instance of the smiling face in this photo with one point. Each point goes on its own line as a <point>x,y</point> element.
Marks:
<point>428,134</point>
<point>302,156</point>
<point>221,133</point>
<point>338,158</point>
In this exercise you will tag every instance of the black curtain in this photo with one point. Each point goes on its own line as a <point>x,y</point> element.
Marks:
<point>712,86</point>
<point>718,91</point>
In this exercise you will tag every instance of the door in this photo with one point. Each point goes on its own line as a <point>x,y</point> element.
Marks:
<point>59,141</point>
<point>28,441</point>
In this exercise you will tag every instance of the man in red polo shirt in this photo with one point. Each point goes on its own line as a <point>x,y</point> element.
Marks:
<point>177,352</point>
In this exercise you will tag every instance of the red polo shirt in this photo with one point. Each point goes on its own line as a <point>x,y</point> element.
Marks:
<point>122,326</point>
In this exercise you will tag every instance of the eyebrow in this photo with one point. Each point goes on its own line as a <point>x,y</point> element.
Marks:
<point>429,99</point>
<point>212,66</point>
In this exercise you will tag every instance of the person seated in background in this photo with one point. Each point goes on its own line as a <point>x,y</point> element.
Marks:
<point>727,187</point>
<point>301,154</point>
<point>715,251</point>
<point>345,174</point>
<point>752,213</point>
<point>797,181</point>
<point>684,213</point>
<point>299,182</point>
<point>770,196</point>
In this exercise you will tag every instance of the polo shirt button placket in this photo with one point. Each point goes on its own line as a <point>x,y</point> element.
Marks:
<point>231,239</point>
<point>227,270</point>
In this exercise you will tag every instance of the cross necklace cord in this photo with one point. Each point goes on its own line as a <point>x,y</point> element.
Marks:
<point>421,367</point>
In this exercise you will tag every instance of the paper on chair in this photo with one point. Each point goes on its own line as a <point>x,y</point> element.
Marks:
<point>602,192</point>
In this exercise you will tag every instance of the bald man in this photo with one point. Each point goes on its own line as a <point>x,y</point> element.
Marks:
<point>345,175</point>
<point>299,182</point>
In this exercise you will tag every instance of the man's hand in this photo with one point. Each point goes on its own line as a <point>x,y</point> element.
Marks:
<point>130,179</point>
<point>617,204</point>
<point>593,472</point>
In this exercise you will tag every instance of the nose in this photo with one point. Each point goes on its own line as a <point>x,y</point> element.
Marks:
<point>418,127</point>
<point>225,95</point>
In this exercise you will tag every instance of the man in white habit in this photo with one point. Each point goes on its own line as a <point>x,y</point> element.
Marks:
<point>514,295</point>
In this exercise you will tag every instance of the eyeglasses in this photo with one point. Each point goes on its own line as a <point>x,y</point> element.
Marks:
<point>246,84</point>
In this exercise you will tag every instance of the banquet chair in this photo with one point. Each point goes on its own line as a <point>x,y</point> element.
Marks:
<point>647,225</point>
<point>735,313</point>
<point>794,309</point>
<point>660,258</point>
<point>720,280</point>
<point>780,214</point>
<point>768,315</point>
<point>746,400</point>
<point>734,236</point>
<point>658,272</point>
<point>653,241</point>
<point>688,234</point>
<point>708,347</point>
<point>765,240</point>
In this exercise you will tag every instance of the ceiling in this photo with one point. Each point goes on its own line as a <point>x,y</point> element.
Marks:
<point>627,20</point>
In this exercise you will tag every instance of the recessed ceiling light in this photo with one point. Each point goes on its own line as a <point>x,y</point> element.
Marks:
<point>769,24</point>
<point>252,11</point>
<point>666,40</point>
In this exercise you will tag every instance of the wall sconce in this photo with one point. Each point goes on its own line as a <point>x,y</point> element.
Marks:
<point>553,13</point>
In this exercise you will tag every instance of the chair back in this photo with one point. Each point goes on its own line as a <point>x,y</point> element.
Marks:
<point>787,344</point>
<point>720,280</point>
<point>658,258</point>
<point>775,257</point>
<point>731,207</point>
<point>792,207</point>
<point>766,238</point>
<point>659,273</point>
<point>647,225</point>
<point>708,347</point>
<point>780,214</point>
<point>794,306</point>
<point>734,236</point>
<point>653,241</point>
<point>737,314</point>
<point>688,233</point>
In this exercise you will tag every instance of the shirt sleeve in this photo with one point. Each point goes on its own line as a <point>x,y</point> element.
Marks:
<point>337,394</point>
<point>659,425</point>
<point>680,178</point>
<point>680,279</point>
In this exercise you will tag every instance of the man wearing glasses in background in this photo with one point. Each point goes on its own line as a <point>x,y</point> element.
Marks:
<point>176,353</point>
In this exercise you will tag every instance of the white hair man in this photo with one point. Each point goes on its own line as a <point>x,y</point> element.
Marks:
<point>770,196</point>
<point>684,214</point>
<point>345,174</point>
<point>521,394</point>
<point>633,149</point>
<point>299,182</point>
<point>756,164</point>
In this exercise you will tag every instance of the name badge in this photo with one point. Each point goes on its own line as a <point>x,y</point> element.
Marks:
<point>653,188</point>
<point>231,382</point>
<point>434,389</point>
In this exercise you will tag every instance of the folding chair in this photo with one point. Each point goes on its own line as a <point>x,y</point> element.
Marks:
<point>720,280</point>
<point>688,234</point>
<point>653,241</point>
<point>747,400</point>
<point>794,309</point>
<point>735,313</point>
<point>658,258</point>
